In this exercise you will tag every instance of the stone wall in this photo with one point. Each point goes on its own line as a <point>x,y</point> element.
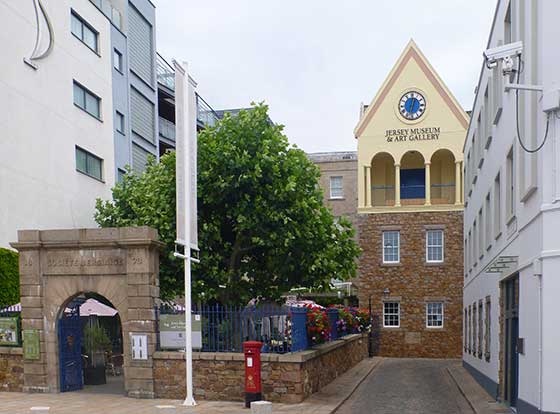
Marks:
<point>413,282</point>
<point>287,378</point>
<point>11,369</point>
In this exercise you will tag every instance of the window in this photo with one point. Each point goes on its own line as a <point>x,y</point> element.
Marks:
<point>119,122</point>
<point>336,187</point>
<point>117,60</point>
<point>465,255</point>
<point>466,331</point>
<point>391,314</point>
<point>473,329</point>
<point>86,100</point>
<point>480,235</point>
<point>469,251</point>
<point>474,251</point>
<point>391,247</point>
<point>497,207</point>
<point>480,329</point>
<point>89,164</point>
<point>434,314</point>
<point>83,31</point>
<point>434,246</point>
<point>510,199</point>
<point>507,26</point>
<point>469,330</point>
<point>120,175</point>
<point>487,324</point>
<point>488,227</point>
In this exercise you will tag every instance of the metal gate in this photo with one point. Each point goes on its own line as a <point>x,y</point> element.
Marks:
<point>70,350</point>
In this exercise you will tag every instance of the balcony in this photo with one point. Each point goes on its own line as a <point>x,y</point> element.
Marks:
<point>106,7</point>
<point>165,73</point>
<point>205,115</point>
<point>412,181</point>
<point>167,129</point>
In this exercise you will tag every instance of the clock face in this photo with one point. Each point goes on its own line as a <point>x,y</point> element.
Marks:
<point>412,105</point>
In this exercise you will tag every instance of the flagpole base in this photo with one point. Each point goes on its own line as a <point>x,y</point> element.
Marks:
<point>189,402</point>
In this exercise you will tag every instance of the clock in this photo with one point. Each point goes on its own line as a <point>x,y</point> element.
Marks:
<point>412,105</point>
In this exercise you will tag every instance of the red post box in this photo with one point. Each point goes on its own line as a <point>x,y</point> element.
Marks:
<point>252,351</point>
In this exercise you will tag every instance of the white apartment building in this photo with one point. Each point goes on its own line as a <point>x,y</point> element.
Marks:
<point>72,72</point>
<point>512,215</point>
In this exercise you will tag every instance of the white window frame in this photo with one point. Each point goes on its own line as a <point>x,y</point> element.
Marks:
<point>436,314</point>
<point>442,245</point>
<point>334,196</point>
<point>120,123</point>
<point>83,27</point>
<point>117,60</point>
<point>398,314</point>
<point>398,246</point>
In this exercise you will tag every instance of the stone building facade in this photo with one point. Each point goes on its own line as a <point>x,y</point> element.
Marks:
<point>339,181</point>
<point>410,210</point>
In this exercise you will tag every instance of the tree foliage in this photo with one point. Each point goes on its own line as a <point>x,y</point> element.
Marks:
<point>9,278</point>
<point>263,228</point>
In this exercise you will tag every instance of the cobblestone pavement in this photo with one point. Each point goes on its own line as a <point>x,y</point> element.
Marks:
<point>419,386</point>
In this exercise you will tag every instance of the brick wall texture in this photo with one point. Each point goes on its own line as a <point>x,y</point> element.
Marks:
<point>288,378</point>
<point>11,369</point>
<point>413,282</point>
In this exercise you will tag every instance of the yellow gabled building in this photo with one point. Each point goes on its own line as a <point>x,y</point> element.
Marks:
<point>410,210</point>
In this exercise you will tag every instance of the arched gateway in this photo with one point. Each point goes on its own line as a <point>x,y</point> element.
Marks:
<point>59,269</point>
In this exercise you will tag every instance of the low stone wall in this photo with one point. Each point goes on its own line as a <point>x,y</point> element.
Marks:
<point>11,369</point>
<point>286,378</point>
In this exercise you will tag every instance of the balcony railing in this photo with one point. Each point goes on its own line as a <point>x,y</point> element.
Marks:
<point>204,112</point>
<point>108,10</point>
<point>166,129</point>
<point>165,73</point>
<point>383,195</point>
<point>443,193</point>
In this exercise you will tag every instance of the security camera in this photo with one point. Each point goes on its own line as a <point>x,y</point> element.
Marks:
<point>505,53</point>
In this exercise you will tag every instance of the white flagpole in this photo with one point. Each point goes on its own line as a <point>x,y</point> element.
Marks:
<point>184,112</point>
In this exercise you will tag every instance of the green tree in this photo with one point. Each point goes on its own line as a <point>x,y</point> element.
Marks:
<point>9,278</point>
<point>263,228</point>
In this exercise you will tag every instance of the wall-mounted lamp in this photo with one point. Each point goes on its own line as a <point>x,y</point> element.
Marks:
<point>386,291</point>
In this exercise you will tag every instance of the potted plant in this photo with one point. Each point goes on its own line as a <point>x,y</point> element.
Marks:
<point>96,342</point>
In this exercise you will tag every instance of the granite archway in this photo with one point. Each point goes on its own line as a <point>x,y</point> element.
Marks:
<point>120,264</point>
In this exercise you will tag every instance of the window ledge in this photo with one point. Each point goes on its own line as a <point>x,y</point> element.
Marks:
<point>93,116</point>
<point>383,264</point>
<point>91,176</point>
<point>336,198</point>
<point>426,263</point>
<point>392,328</point>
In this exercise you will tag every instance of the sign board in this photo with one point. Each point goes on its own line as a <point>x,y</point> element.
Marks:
<point>186,158</point>
<point>172,331</point>
<point>9,331</point>
<point>139,345</point>
<point>31,345</point>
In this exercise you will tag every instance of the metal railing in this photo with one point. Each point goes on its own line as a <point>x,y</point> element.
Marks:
<point>383,195</point>
<point>113,14</point>
<point>166,129</point>
<point>225,328</point>
<point>442,193</point>
<point>165,73</point>
<point>204,112</point>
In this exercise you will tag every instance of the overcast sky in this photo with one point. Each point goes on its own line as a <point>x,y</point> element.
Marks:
<point>314,61</point>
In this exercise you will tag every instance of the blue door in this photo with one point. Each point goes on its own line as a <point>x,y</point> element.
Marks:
<point>413,183</point>
<point>70,351</point>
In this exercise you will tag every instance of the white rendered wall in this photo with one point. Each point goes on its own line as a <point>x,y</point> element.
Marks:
<point>533,235</point>
<point>40,126</point>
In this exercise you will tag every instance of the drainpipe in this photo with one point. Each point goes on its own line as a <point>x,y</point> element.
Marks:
<point>537,268</point>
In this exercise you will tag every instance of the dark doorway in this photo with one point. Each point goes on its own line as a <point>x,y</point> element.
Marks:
<point>510,290</point>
